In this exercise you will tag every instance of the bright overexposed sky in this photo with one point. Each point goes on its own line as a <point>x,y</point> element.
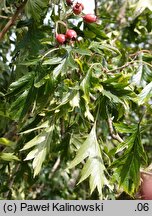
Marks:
<point>88,8</point>
<point>88,5</point>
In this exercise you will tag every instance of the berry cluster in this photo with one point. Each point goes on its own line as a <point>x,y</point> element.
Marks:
<point>71,34</point>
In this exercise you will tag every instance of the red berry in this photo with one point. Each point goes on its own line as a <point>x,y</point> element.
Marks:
<point>71,34</point>
<point>90,18</point>
<point>77,9</point>
<point>69,2</point>
<point>82,6</point>
<point>60,38</point>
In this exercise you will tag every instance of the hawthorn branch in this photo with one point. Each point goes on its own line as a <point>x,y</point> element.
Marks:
<point>113,134</point>
<point>96,7</point>
<point>4,17</point>
<point>126,65</point>
<point>55,167</point>
<point>12,20</point>
<point>140,52</point>
<point>123,66</point>
<point>121,16</point>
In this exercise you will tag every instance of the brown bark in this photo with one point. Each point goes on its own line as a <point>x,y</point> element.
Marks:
<point>96,7</point>
<point>12,20</point>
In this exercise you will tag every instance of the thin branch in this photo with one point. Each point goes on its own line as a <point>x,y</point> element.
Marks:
<point>145,172</point>
<point>55,167</point>
<point>62,126</point>
<point>126,65</point>
<point>96,7</point>
<point>121,16</point>
<point>113,134</point>
<point>122,67</point>
<point>4,17</point>
<point>140,51</point>
<point>131,62</point>
<point>12,20</point>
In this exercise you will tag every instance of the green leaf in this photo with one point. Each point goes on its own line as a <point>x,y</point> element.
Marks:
<point>2,94</point>
<point>87,149</point>
<point>145,94</point>
<point>85,86</point>
<point>82,51</point>
<point>111,96</point>
<point>16,107</point>
<point>147,74</point>
<point>124,128</point>
<point>89,34</point>
<point>71,62</point>
<point>8,157</point>
<point>128,164</point>
<point>53,61</point>
<point>88,113</point>
<point>20,83</point>
<point>43,125</point>
<point>42,81</point>
<point>76,140</point>
<point>141,6</point>
<point>67,98</point>
<point>28,101</point>
<point>4,141</point>
<point>75,101</point>
<point>138,77</point>
<point>39,159</point>
<point>30,62</point>
<point>35,8</point>
<point>94,166</point>
<point>35,141</point>
<point>57,70</point>
<point>41,144</point>
<point>96,29</point>
<point>103,46</point>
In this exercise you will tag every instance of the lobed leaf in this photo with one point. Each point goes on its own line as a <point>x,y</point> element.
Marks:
<point>129,163</point>
<point>8,157</point>
<point>41,144</point>
<point>94,167</point>
<point>145,94</point>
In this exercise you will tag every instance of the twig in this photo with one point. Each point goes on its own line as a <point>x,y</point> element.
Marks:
<point>131,62</point>
<point>96,7</point>
<point>12,20</point>
<point>4,17</point>
<point>126,65</point>
<point>145,172</point>
<point>140,51</point>
<point>113,134</point>
<point>55,167</point>
<point>121,16</point>
<point>62,127</point>
<point>122,67</point>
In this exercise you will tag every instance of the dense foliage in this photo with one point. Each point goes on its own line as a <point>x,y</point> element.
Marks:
<point>77,111</point>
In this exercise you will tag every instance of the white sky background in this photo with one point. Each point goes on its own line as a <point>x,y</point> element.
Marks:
<point>88,5</point>
<point>88,8</point>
